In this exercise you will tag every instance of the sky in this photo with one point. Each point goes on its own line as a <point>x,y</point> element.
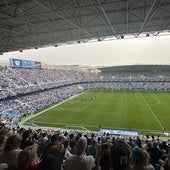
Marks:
<point>148,50</point>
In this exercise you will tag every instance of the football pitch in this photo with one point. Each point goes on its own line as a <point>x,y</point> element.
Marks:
<point>124,110</point>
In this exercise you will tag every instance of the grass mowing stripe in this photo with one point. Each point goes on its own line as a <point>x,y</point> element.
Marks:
<point>152,111</point>
<point>87,105</point>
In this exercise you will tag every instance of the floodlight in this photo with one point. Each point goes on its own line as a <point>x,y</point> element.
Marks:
<point>147,35</point>
<point>122,36</point>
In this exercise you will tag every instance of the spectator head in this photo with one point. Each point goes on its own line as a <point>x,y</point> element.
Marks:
<point>55,149</point>
<point>146,157</point>
<point>54,138</point>
<point>73,142</point>
<point>71,136</point>
<point>155,144</point>
<point>4,132</point>
<point>120,153</point>
<point>94,142</point>
<point>138,158</point>
<point>13,142</point>
<point>26,134</point>
<point>21,130</point>
<point>26,157</point>
<point>2,124</point>
<point>81,145</point>
<point>44,135</point>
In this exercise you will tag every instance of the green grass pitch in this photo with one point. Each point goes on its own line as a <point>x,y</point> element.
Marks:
<point>139,111</point>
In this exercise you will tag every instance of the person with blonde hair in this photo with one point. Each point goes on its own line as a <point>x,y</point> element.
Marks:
<point>58,151</point>
<point>28,158</point>
<point>54,158</point>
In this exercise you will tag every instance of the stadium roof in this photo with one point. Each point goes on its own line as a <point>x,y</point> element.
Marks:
<point>28,24</point>
<point>134,68</point>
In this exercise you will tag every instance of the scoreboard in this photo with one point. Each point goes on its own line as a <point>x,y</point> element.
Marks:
<point>24,63</point>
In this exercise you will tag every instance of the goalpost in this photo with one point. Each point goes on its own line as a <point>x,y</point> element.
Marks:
<point>78,128</point>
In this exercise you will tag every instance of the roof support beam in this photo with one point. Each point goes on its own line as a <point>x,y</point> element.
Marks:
<point>107,19</point>
<point>65,19</point>
<point>127,16</point>
<point>147,17</point>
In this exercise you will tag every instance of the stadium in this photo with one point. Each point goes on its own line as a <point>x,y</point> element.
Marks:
<point>129,102</point>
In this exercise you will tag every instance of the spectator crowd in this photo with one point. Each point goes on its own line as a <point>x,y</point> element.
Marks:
<point>38,149</point>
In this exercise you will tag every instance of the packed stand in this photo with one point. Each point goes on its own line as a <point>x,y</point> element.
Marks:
<point>28,149</point>
<point>24,90</point>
